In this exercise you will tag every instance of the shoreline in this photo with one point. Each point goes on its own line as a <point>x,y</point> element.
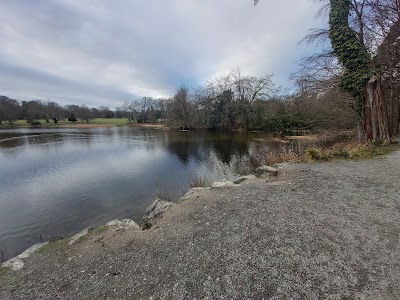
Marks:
<point>316,230</point>
<point>153,213</point>
<point>53,126</point>
<point>265,170</point>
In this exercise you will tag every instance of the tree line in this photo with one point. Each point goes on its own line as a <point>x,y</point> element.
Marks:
<point>228,102</point>
<point>50,111</point>
<point>354,81</point>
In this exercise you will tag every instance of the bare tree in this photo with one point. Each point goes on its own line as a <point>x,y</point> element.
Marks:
<point>84,113</point>
<point>142,107</point>
<point>180,109</point>
<point>33,110</point>
<point>9,110</point>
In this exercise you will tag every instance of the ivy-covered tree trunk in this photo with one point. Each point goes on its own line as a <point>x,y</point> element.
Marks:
<point>359,77</point>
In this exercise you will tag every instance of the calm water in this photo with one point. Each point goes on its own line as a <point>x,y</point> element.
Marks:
<point>57,181</point>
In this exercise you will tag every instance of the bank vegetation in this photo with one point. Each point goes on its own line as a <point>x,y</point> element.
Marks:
<point>352,81</point>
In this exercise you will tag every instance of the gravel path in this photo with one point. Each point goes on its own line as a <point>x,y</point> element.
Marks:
<point>319,231</point>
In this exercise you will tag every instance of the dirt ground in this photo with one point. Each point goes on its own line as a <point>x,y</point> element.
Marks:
<point>317,231</point>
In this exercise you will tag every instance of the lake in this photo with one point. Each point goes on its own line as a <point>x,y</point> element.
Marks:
<point>55,182</point>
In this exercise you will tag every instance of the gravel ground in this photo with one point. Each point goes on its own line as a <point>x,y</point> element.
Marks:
<point>318,231</point>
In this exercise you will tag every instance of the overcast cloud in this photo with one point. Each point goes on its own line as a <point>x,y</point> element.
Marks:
<point>103,52</point>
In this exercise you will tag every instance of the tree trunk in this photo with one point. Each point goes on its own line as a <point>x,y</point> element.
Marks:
<point>374,118</point>
<point>394,112</point>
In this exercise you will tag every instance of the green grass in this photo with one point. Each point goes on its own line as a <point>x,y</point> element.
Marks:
<point>93,232</point>
<point>6,277</point>
<point>351,151</point>
<point>3,271</point>
<point>103,121</point>
<point>54,246</point>
<point>373,151</point>
<point>97,121</point>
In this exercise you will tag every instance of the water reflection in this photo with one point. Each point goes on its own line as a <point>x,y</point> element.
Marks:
<point>56,181</point>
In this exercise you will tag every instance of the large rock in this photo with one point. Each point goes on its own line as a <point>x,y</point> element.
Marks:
<point>266,170</point>
<point>124,224</point>
<point>225,183</point>
<point>193,193</point>
<point>155,211</point>
<point>17,263</point>
<point>14,264</point>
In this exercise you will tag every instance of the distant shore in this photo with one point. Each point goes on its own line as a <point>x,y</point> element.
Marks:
<point>99,122</point>
<point>111,125</point>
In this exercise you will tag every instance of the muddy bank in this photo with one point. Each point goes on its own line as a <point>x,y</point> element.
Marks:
<point>316,231</point>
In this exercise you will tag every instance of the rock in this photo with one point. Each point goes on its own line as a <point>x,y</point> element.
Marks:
<point>283,165</point>
<point>14,264</point>
<point>242,179</point>
<point>28,252</point>
<point>224,183</point>
<point>193,192</point>
<point>266,169</point>
<point>17,263</point>
<point>155,211</point>
<point>124,224</point>
<point>77,236</point>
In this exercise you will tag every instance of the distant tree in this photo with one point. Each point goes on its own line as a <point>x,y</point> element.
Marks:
<point>95,113</point>
<point>105,112</point>
<point>9,110</point>
<point>161,107</point>
<point>72,118</point>
<point>53,111</point>
<point>180,109</point>
<point>129,111</point>
<point>119,112</point>
<point>142,108</point>
<point>33,110</point>
<point>84,113</point>
<point>251,88</point>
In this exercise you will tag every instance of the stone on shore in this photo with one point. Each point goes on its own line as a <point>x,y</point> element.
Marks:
<point>193,192</point>
<point>155,211</point>
<point>17,263</point>
<point>266,170</point>
<point>225,183</point>
<point>124,224</point>
<point>242,179</point>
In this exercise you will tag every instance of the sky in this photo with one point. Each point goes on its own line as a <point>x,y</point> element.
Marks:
<point>106,52</point>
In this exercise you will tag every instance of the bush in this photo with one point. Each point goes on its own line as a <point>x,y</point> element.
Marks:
<point>313,153</point>
<point>72,118</point>
<point>341,153</point>
<point>36,123</point>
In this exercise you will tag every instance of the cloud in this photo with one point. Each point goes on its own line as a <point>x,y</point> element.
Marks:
<point>104,52</point>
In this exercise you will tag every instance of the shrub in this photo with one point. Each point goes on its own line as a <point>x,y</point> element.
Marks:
<point>341,153</point>
<point>72,118</point>
<point>36,123</point>
<point>313,153</point>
